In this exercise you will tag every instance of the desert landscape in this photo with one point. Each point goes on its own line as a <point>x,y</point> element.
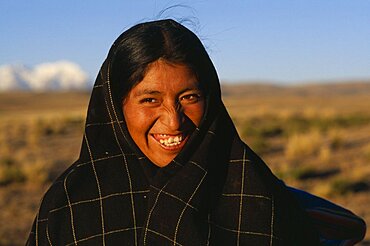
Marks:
<point>315,137</point>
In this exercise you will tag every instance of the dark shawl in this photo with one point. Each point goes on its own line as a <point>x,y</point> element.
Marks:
<point>217,191</point>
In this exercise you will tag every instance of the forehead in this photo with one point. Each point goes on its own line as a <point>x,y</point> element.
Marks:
<point>163,77</point>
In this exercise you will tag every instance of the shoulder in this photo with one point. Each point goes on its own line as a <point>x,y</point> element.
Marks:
<point>54,221</point>
<point>56,197</point>
<point>336,225</point>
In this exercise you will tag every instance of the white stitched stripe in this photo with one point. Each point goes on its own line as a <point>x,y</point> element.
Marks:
<point>272,220</point>
<point>242,232</point>
<point>70,207</point>
<point>96,199</point>
<point>126,164</point>
<point>99,190</point>
<point>241,199</point>
<point>164,236</point>
<point>245,195</point>
<point>107,233</point>
<point>175,197</point>
<point>151,211</point>
<point>187,204</point>
<point>102,123</point>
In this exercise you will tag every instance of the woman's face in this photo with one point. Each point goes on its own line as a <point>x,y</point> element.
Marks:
<point>163,109</point>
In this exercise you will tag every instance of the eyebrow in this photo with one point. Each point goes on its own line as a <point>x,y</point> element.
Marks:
<point>147,92</point>
<point>155,92</point>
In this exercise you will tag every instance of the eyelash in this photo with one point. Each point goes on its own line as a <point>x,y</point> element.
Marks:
<point>148,100</point>
<point>190,98</point>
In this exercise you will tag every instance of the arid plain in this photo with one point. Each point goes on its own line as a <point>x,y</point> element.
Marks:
<point>315,137</point>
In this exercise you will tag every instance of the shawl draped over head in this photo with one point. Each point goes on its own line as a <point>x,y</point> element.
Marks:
<point>216,191</point>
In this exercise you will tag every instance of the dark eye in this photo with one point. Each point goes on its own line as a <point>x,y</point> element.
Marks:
<point>190,98</point>
<point>149,100</point>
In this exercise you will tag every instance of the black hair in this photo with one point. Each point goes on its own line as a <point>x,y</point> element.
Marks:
<point>147,42</point>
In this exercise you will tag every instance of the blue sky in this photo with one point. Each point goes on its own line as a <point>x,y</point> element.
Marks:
<point>283,41</point>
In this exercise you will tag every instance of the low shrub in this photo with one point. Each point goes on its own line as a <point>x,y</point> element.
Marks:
<point>343,186</point>
<point>336,139</point>
<point>11,174</point>
<point>303,172</point>
<point>265,128</point>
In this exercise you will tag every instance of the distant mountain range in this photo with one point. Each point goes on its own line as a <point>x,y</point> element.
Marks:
<point>68,76</point>
<point>60,75</point>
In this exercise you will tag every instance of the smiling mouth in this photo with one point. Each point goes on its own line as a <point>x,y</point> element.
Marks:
<point>170,141</point>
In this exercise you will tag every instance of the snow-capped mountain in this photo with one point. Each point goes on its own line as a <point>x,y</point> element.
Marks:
<point>60,75</point>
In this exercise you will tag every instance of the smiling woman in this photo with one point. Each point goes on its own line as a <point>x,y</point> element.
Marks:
<point>161,162</point>
<point>170,105</point>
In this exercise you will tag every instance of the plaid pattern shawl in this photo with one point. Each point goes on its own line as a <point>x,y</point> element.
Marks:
<point>215,192</point>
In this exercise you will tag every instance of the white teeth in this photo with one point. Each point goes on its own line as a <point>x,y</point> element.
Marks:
<point>171,141</point>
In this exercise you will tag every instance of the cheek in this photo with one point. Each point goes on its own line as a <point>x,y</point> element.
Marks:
<point>134,115</point>
<point>195,113</point>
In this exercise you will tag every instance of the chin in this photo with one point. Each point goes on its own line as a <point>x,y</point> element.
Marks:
<point>160,158</point>
<point>162,162</point>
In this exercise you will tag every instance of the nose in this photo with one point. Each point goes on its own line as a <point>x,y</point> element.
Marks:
<point>172,116</point>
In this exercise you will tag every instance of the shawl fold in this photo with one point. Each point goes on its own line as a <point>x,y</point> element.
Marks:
<point>217,191</point>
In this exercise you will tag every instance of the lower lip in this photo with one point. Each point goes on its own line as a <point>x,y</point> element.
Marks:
<point>172,148</point>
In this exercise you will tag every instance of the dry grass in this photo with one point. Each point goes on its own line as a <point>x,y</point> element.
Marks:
<point>315,141</point>
<point>303,145</point>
